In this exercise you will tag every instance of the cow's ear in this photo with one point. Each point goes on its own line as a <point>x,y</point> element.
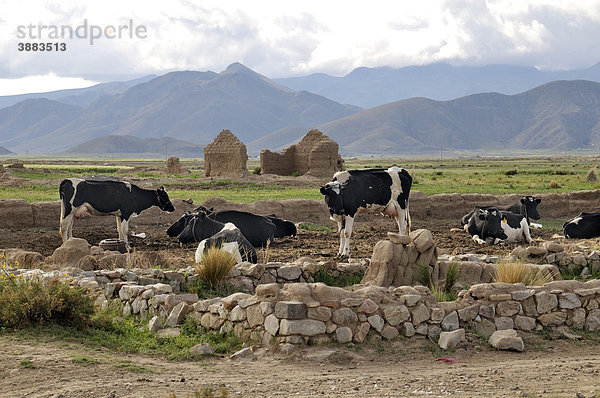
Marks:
<point>481,216</point>
<point>523,200</point>
<point>538,200</point>
<point>324,190</point>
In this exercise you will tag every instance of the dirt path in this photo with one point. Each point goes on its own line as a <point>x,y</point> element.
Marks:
<point>401,369</point>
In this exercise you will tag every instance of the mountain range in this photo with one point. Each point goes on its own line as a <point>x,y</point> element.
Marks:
<point>130,145</point>
<point>195,106</point>
<point>370,87</point>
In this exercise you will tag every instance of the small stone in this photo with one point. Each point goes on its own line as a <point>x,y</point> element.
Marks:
<point>450,321</point>
<point>154,324</point>
<point>568,301</point>
<point>376,322</point>
<point>396,314</point>
<point>202,349</point>
<point>407,329</point>
<point>343,335</point>
<point>508,308</point>
<point>289,272</point>
<point>506,340</point>
<point>305,327</point>
<point>344,316</point>
<point>286,348</point>
<point>449,340</point>
<point>361,332</point>
<point>503,323</point>
<point>399,239</point>
<point>368,307</point>
<point>290,310</point>
<point>271,324</point>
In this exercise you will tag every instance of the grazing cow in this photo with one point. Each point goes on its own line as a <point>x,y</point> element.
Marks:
<point>526,207</point>
<point>484,226</point>
<point>377,189</point>
<point>212,233</point>
<point>257,229</point>
<point>584,226</point>
<point>121,199</point>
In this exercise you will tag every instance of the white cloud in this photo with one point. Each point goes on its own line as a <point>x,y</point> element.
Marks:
<point>41,84</point>
<point>293,38</point>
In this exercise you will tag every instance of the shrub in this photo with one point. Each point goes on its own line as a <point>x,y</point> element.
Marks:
<point>518,272</point>
<point>554,184</point>
<point>512,172</point>
<point>216,265</point>
<point>31,302</point>
<point>256,170</point>
<point>322,275</point>
<point>451,277</point>
<point>423,276</point>
<point>591,175</point>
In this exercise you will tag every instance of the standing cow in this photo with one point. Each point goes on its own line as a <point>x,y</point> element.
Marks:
<point>121,199</point>
<point>381,190</point>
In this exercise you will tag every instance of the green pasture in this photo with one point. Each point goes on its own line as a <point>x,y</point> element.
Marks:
<point>474,175</point>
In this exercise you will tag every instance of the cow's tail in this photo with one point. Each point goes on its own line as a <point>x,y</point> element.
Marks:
<point>408,222</point>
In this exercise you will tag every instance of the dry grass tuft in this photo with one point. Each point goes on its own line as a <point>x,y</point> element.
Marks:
<point>518,272</point>
<point>591,175</point>
<point>216,265</point>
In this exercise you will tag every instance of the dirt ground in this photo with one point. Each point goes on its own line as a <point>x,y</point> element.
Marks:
<point>321,245</point>
<point>403,368</point>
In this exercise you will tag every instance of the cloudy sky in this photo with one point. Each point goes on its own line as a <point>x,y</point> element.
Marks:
<point>286,38</point>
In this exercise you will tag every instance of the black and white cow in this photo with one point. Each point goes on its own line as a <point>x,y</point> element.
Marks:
<point>484,226</point>
<point>381,190</point>
<point>526,206</point>
<point>256,228</point>
<point>211,233</point>
<point>584,226</point>
<point>516,227</point>
<point>119,198</point>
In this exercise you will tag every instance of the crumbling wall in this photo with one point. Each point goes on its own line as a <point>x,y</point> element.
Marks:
<point>225,156</point>
<point>316,154</point>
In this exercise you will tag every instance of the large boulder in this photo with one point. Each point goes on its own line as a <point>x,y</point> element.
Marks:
<point>70,252</point>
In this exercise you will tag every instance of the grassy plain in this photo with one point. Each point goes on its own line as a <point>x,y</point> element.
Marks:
<point>39,182</point>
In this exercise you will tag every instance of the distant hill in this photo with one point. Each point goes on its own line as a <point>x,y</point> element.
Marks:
<point>77,96</point>
<point>194,106</point>
<point>126,144</point>
<point>558,116</point>
<point>370,87</point>
<point>4,151</point>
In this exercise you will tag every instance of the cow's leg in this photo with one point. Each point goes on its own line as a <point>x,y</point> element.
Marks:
<point>66,227</point>
<point>347,233</point>
<point>402,219</point>
<point>477,239</point>
<point>526,232</point>
<point>125,230</point>
<point>535,225</point>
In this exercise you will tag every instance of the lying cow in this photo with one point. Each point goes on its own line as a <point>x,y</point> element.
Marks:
<point>121,199</point>
<point>378,189</point>
<point>283,228</point>
<point>488,225</point>
<point>584,226</point>
<point>526,207</point>
<point>484,226</point>
<point>211,233</point>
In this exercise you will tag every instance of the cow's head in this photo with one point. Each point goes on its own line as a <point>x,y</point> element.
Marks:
<point>530,203</point>
<point>490,220</point>
<point>333,197</point>
<point>163,200</point>
<point>179,225</point>
<point>196,229</point>
<point>208,211</point>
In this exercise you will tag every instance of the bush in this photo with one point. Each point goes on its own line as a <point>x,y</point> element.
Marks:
<point>554,184</point>
<point>216,265</point>
<point>31,302</point>
<point>512,172</point>
<point>591,175</point>
<point>519,272</point>
<point>256,170</point>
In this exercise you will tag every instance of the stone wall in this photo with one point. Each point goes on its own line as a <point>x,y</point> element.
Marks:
<point>225,156</point>
<point>316,154</point>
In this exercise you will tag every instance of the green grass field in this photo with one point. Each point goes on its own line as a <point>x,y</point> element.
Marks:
<point>477,175</point>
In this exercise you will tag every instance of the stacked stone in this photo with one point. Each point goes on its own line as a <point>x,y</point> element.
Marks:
<point>499,306</point>
<point>571,258</point>
<point>248,276</point>
<point>298,312</point>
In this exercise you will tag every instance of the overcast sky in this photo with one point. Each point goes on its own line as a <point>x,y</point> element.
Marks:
<point>289,38</point>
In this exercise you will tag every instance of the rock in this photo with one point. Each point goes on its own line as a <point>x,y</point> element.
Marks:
<point>368,307</point>
<point>320,313</point>
<point>270,290</point>
<point>376,322</point>
<point>411,299</point>
<point>568,301</point>
<point>286,348</point>
<point>202,349</point>
<point>271,324</point>
<point>521,295</point>
<point>154,324</point>
<point>535,251</point>
<point>344,316</point>
<point>437,315</point>
<point>237,314</point>
<point>485,327</point>
<point>487,311</point>
<point>423,239</point>
<point>524,323</point>
<point>449,340</point>
<point>592,322</point>
<point>389,332</point>
<point>343,334</point>
<point>419,314</point>
<point>506,340</point>
<point>305,327</point>
<point>508,308</point>
<point>254,315</point>
<point>289,272</point>
<point>553,247</point>
<point>361,332</point>
<point>178,314</point>
<point>407,329</point>
<point>70,252</point>
<point>546,302</point>
<point>468,313</point>
<point>395,314</point>
<point>450,321</point>
<point>290,310</point>
<point>503,323</point>
<point>399,239</point>
<point>232,300</point>
<point>87,263</point>
<point>168,333</point>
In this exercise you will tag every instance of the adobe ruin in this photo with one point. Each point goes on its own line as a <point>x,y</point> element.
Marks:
<point>316,155</point>
<point>225,156</point>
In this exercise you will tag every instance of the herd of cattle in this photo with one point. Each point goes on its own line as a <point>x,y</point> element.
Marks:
<point>382,190</point>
